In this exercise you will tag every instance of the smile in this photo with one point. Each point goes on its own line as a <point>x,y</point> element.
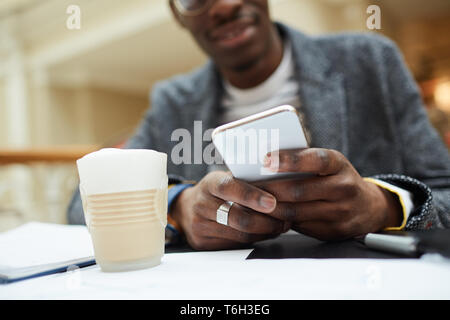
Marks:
<point>233,34</point>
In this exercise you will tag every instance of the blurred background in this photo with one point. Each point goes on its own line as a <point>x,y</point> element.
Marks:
<point>64,93</point>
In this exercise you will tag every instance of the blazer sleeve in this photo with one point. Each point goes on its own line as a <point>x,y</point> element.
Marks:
<point>425,158</point>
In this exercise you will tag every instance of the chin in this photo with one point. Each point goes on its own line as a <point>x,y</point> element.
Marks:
<point>243,60</point>
<point>244,65</point>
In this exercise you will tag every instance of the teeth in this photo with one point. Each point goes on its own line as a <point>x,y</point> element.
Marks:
<point>231,35</point>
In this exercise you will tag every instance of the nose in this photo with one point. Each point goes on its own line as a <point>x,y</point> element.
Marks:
<point>224,10</point>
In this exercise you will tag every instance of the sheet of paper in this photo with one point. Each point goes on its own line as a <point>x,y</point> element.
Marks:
<point>37,243</point>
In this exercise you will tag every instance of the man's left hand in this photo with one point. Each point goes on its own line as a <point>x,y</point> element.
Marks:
<point>336,203</point>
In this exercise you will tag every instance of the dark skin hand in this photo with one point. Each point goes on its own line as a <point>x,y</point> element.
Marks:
<point>248,220</point>
<point>336,203</point>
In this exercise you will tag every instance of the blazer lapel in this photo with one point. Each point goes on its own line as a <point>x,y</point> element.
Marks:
<point>322,94</point>
<point>205,100</point>
<point>204,110</point>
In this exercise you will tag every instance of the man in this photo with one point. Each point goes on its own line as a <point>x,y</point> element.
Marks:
<point>359,104</point>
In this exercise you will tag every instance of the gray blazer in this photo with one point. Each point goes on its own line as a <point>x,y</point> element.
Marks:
<point>357,97</point>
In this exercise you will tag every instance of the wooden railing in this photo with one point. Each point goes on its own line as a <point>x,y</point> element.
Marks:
<point>49,155</point>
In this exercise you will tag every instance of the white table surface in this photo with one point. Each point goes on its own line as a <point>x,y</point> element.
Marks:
<point>227,275</point>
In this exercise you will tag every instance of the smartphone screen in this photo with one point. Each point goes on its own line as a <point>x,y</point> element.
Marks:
<point>244,143</point>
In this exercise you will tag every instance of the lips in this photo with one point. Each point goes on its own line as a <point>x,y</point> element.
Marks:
<point>233,33</point>
<point>229,31</point>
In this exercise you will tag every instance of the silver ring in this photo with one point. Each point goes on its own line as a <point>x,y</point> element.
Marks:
<point>222,213</point>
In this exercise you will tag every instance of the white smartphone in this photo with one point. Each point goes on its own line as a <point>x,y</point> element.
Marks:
<point>244,143</point>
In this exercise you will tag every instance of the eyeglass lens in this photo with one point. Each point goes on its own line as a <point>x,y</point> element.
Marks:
<point>192,5</point>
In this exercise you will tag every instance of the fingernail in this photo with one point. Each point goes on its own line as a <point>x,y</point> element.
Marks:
<point>274,166</point>
<point>267,161</point>
<point>273,161</point>
<point>268,202</point>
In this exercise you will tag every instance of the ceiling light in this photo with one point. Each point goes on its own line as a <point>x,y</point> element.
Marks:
<point>442,96</point>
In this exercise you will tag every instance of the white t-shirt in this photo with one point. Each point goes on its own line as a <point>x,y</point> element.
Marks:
<point>280,88</point>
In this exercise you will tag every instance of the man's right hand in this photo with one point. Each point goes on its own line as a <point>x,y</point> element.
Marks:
<point>195,211</point>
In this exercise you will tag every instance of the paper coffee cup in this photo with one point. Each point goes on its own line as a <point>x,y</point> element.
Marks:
<point>124,194</point>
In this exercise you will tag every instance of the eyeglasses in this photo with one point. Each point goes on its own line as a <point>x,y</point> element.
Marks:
<point>192,7</point>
